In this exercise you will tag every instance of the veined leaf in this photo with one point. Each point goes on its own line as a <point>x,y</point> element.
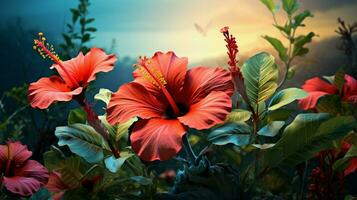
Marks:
<point>238,115</point>
<point>114,164</point>
<point>286,96</point>
<point>307,135</point>
<point>260,77</point>
<point>70,171</point>
<point>278,46</point>
<point>82,140</point>
<point>231,133</point>
<point>271,129</point>
<point>269,4</point>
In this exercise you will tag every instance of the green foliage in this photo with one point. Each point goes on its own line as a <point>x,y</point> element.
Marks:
<point>295,45</point>
<point>305,136</point>
<point>343,163</point>
<point>271,129</point>
<point>114,164</point>
<point>231,133</point>
<point>77,115</point>
<point>103,95</point>
<point>269,4</point>
<point>83,140</point>
<point>238,115</point>
<point>286,96</point>
<point>79,32</point>
<point>260,78</point>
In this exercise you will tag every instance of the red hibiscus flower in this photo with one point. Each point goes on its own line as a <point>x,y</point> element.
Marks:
<point>318,88</point>
<point>56,185</point>
<point>20,175</point>
<point>74,75</point>
<point>168,99</point>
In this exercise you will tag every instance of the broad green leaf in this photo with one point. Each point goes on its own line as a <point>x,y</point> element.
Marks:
<point>77,115</point>
<point>119,130</point>
<point>290,6</point>
<point>271,129</point>
<point>238,115</point>
<point>231,133</point>
<point>339,79</point>
<point>286,28</point>
<point>52,158</point>
<point>269,4</point>
<point>286,96</point>
<point>307,135</point>
<point>263,146</point>
<point>114,164</point>
<point>82,140</point>
<point>278,46</point>
<point>279,115</point>
<point>70,171</point>
<point>329,104</point>
<point>103,95</point>
<point>300,42</point>
<point>298,19</point>
<point>260,77</point>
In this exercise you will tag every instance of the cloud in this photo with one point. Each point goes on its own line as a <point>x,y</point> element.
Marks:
<point>323,5</point>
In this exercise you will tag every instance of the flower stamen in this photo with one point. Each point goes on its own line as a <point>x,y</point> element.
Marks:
<point>156,78</point>
<point>46,50</point>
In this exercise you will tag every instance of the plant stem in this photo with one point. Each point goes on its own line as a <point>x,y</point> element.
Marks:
<point>189,150</point>
<point>303,180</point>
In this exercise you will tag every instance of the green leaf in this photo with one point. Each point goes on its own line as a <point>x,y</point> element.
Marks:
<point>286,96</point>
<point>263,146</point>
<point>279,115</point>
<point>52,158</point>
<point>114,164</point>
<point>290,6</point>
<point>91,29</point>
<point>298,19</point>
<point>75,15</point>
<point>339,79</point>
<point>90,20</point>
<point>329,104</point>
<point>77,115</point>
<point>305,136</point>
<point>85,38</point>
<point>269,4</point>
<point>231,133</point>
<point>260,77</point>
<point>278,46</point>
<point>300,42</point>
<point>70,171</point>
<point>238,115</point>
<point>67,39</point>
<point>82,140</point>
<point>271,129</point>
<point>286,28</point>
<point>123,128</point>
<point>103,95</point>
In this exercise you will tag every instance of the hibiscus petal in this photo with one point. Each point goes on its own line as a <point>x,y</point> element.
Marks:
<point>18,152</point>
<point>133,100</point>
<point>350,89</point>
<point>55,183</point>
<point>34,170</point>
<point>46,91</point>
<point>171,67</point>
<point>310,101</point>
<point>95,61</point>
<point>157,139</point>
<point>84,68</point>
<point>200,81</point>
<point>3,156</point>
<point>352,167</point>
<point>209,111</point>
<point>318,85</point>
<point>23,186</point>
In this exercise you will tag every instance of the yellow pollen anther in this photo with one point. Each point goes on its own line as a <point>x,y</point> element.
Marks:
<point>40,34</point>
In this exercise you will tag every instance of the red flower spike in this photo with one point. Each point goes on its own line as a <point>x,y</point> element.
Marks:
<point>20,175</point>
<point>74,75</point>
<point>318,88</point>
<point>169,99</point>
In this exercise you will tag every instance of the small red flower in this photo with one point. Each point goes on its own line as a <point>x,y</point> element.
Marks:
<point>20,175</point>
<point>318,88</point>
<point>168,99</point>
<point>74,75</point>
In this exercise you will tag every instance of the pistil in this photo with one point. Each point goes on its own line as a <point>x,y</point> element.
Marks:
<point>54,58</point>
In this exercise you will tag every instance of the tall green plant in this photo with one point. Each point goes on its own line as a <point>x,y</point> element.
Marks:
<point>295,45</point>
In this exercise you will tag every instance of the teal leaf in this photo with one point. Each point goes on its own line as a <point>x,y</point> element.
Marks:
<point>286,96</point>
<point>82,140</point>
<point>271,129</point>
<point>114,164</point>
<point>231,133</point>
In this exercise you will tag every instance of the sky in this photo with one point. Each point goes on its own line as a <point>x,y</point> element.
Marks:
<point>142,27</point>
